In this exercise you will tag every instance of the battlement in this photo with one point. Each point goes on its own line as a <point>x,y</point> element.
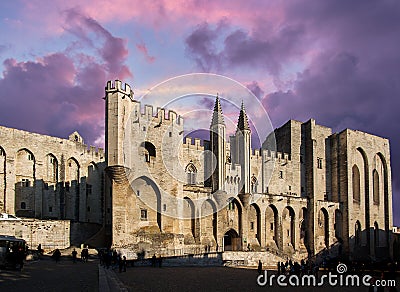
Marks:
<point>161,115</point>
<point>93,151</point>
<point>276,155</point>
<point>188,143</point>
<point>117,86</point>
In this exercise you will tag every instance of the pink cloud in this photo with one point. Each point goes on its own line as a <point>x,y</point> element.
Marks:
<point>143,49</point>
<point>157,13</point>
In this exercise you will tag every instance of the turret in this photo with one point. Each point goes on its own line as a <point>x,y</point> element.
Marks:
<point>118,108</point>
<point>217,139</point>
<point>243,148</point>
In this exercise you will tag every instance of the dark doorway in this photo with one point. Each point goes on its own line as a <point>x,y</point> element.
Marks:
<point>232,241</point>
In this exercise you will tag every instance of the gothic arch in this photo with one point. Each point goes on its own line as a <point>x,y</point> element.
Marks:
<point>191,173</point>
<point>72,171</point>
<point>51,168</point>
<point>25,179</point>
<point>323,225</point>
<point>209,218</point>
<point>149,151</point>
<point>231,240</point>
<point>385,197</point>
<point>366,194</point>
<point>149,196</point>
<point>272,226</point>
<point>189,208</point>
<point>288,227</point>
<point>235,216</point>
<point>254,222</point>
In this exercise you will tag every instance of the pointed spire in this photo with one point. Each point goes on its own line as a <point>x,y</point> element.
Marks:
<point>243,122</point>
<point>218,116</point>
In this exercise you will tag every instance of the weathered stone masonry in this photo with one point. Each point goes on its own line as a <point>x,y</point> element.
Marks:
<point>315,192</point>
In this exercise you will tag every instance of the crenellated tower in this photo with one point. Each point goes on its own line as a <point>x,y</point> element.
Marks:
<point>217,138</point>
<point>119,102</point>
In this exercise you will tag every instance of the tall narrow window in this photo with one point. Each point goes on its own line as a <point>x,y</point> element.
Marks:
<point>356,184</point>
<point>375,176</point>
<point>319,163</point>
<point>143,214</point>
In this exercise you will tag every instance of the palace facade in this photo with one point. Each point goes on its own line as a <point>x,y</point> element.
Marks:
<point>305,192</point>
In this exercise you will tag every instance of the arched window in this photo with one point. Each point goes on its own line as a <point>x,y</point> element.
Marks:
<point>23,205</point>
<point>191,173</point>
<point>52,168</point>
<point>254,184</point>
<point>375,176</point>
<point>356,184</point>
<point>150,151</point>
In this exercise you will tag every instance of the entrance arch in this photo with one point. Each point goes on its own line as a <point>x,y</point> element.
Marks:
<point>231,240</point>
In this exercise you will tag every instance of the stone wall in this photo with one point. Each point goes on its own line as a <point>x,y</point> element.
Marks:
<point>51,234</point>
<point>50,178</point>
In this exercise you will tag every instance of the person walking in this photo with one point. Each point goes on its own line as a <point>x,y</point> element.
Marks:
<point>74,254</point>
<point>259,267</point>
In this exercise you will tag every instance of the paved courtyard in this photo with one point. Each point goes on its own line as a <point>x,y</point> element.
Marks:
<point>46,275</point>
<point>204,279</point>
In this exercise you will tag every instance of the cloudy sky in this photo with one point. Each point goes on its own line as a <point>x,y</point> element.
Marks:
<point>335,61</point>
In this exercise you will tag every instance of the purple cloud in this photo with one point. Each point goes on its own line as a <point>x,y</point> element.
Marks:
<point>345,72</point>
<point>239,49</point>
<point>61,92</point>
<point>113,50</point>
<point>255,88</point>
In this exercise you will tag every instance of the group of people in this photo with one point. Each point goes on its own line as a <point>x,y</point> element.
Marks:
<point>111,258</point>
<point>84,255</point>
<point>295,268</point>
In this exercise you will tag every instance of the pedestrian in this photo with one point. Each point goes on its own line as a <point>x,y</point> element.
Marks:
<point>39,249</point>
<point>259,267</point>
<point>153,261</point>
<point>74,254</point>
<point>160,261</point>
<point>120,264</point>
<point>124,263</point>
<point>56,255</point>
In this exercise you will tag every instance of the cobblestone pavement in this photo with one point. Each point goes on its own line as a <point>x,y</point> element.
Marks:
<point>46,275</point>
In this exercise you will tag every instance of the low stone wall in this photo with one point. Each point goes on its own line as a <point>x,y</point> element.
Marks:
<point>51,234</point>
<point>191,260</point>
<point>250,259</point>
